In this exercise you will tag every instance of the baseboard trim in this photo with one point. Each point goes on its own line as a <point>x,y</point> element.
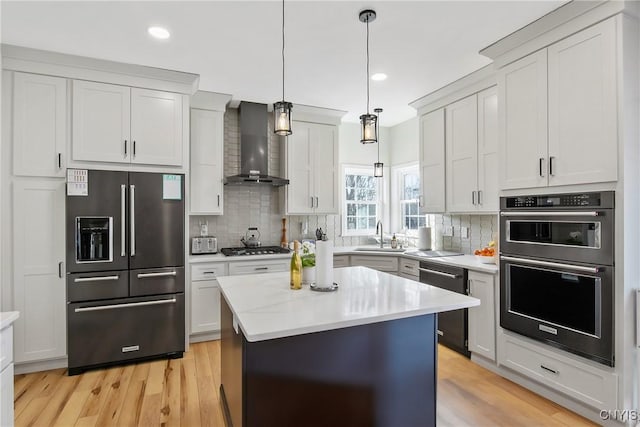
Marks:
<point>41,365</point>
<point>208,336</point>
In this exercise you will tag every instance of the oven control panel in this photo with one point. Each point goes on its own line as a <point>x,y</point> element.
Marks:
<point>576,200</point>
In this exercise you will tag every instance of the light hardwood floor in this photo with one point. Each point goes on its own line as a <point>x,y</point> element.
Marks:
<point>184,392</point>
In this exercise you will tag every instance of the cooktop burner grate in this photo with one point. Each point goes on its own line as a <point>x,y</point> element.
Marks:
<point>261,250</point>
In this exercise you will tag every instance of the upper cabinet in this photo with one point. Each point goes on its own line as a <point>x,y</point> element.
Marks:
<point>39,125</point>
<point>113,123</point>
<point>472,151</point>
<point>558,113</point>
<point>432,142</point>
<point>312,169</point>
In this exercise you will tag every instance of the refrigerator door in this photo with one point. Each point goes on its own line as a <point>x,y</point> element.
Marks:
<point>96,236</point>
<point>156,206</point>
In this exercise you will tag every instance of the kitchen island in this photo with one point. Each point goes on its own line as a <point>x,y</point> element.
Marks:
<point>363,355</point>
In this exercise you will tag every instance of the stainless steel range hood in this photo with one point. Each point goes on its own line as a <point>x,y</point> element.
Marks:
<point>254,148</point>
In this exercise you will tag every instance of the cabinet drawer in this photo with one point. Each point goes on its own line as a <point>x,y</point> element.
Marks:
<point>592,385</point>
<point>208,271</point>
<point>381,263</point>
<point>6,347</point>
<point>156,281</point>
<point>258,267</point>
<point>340,261</point>
<point>410,267</point>
<point>409,276</point>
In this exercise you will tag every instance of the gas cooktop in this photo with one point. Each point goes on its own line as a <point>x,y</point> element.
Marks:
<point>261,250</point>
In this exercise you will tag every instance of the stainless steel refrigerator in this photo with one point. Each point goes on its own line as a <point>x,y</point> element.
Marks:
<point>125,267</point>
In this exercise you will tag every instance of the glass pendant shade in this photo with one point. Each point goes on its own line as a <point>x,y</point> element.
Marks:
<point>282,118</point>
<point>377,169</point>
<point>369,128</point>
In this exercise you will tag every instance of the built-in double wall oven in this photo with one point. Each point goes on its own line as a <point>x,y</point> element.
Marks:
<point>557,271</point>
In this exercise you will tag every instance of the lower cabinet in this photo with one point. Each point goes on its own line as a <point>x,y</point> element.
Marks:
<point>205,297</point>
<point>482,319</point>
<point>341,261</point>
<point>6,377</point>
<point>381,263</point>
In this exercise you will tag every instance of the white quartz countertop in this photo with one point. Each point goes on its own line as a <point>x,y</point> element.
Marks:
<point>194,259</point>
<point>465,261</point>
<point>265,308</point>
<point>7,318</point>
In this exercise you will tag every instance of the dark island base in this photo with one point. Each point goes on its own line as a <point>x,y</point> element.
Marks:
<point>381,374</point>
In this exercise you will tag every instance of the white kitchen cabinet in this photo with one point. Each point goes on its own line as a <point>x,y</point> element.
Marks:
<point>471,145</point>
<point>6,376</point>
<point>258,267</point>
<point>207,154</point>
<point>205,296</point>
<point>113,123</point>
<point>387,264</point>
<point>312,169</point>
<point>38,270</point>
<point>558,113</point>
<point>341,261</point>
<point>39,125</point>
<point>409,267</point>
<point>432,162</point>
<point>482,319</point>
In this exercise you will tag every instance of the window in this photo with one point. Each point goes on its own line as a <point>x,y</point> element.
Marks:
<point>360,202</point>
<point>408,179</point>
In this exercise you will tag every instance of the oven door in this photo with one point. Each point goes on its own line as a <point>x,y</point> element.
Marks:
<point>578,236</point>
<point>569,306</point>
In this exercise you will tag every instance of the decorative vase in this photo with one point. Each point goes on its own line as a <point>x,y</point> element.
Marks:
<point>308,275</point>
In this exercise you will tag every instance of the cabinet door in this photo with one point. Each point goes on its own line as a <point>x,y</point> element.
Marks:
<point>207,155</point>
<point>156,127</point>
<point>488,187</point>
<point>522,121</point>
<point>583,133</point>
<point>205,306</point>
<point>482,320</point>
<point>39,286</point>
<point>39,125</point>
<point>462,154</point>
<point>432,177</point>
<point>6,396</point>
<point>101,122</point>
<point>299,169</point>
<point>324,143</point>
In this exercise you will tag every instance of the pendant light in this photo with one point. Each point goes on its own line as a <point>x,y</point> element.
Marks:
<point>378,166</point>
<point>282,109</point>
<point>368,122</point>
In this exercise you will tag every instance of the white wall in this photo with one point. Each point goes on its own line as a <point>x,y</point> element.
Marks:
<point>353,152</point>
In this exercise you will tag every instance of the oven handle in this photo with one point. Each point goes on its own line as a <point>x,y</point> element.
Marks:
<point>553,264</point>
<point>131,304</point>
<point>439,273</point>
<point>551,213</point>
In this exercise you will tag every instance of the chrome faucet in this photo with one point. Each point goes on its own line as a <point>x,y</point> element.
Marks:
<point>379,226</point>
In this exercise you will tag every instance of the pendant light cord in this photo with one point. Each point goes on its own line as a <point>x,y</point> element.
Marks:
<point>282,50</point>
<point>367,65</point>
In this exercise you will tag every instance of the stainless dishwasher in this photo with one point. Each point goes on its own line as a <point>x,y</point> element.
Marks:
<point>452,325</point>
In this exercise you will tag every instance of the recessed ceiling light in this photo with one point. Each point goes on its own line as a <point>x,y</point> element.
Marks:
<point>159,32</point>
<point>379,77</point>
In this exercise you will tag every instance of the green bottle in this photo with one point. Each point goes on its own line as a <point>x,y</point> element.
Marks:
<point>296,267</point>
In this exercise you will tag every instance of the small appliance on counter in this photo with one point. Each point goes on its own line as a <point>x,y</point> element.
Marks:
<point>204,245</point>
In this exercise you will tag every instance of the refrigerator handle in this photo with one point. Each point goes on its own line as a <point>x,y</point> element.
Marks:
<point>123,215</point>
<point>132,219</point>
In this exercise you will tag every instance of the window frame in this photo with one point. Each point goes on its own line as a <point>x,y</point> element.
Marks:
<point>364,170</point>
<point>398,172</point>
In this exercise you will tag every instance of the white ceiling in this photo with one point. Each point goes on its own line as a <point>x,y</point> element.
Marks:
<point>235,46</point>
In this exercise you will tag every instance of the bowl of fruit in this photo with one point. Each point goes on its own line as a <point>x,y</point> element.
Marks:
<point>487,254</point>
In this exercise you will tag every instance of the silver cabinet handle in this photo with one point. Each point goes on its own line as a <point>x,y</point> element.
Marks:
<point>473,197</point>
<point>479,197</point>
<point>553,371</point>
<point>125,148</point>
<point>159,274</point>
<point>60,264</point>
<point>132,220</point>
<point>541,166</point>
<point>440,333</point>
<point>559,213</point>
<point>218,200</point>
<point>131,304</point>
<point>123,215</point>
<point>316,201</point>
<point>59,160</point>
<point>311,201</point>
<point>261,268</point>
<point>551,165</point>
<point>95,279</point>
<point>134,148</point>
<point>581,268</point>
<point>439,273</point>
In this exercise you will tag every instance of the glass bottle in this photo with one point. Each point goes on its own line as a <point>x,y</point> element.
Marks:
<point>394,242</point>
<point>296,267</point>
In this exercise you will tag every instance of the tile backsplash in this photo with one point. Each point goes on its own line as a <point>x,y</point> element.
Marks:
<point>257,206</point>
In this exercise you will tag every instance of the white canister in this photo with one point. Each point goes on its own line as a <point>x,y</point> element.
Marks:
<point>424,238</point>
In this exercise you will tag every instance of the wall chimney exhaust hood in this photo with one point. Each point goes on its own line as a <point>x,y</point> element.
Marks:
<point>254,148</point>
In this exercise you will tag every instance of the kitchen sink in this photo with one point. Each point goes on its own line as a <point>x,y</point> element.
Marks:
<point>379,249</point>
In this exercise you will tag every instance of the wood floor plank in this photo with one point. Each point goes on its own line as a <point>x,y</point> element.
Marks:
<point>184,392</point>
